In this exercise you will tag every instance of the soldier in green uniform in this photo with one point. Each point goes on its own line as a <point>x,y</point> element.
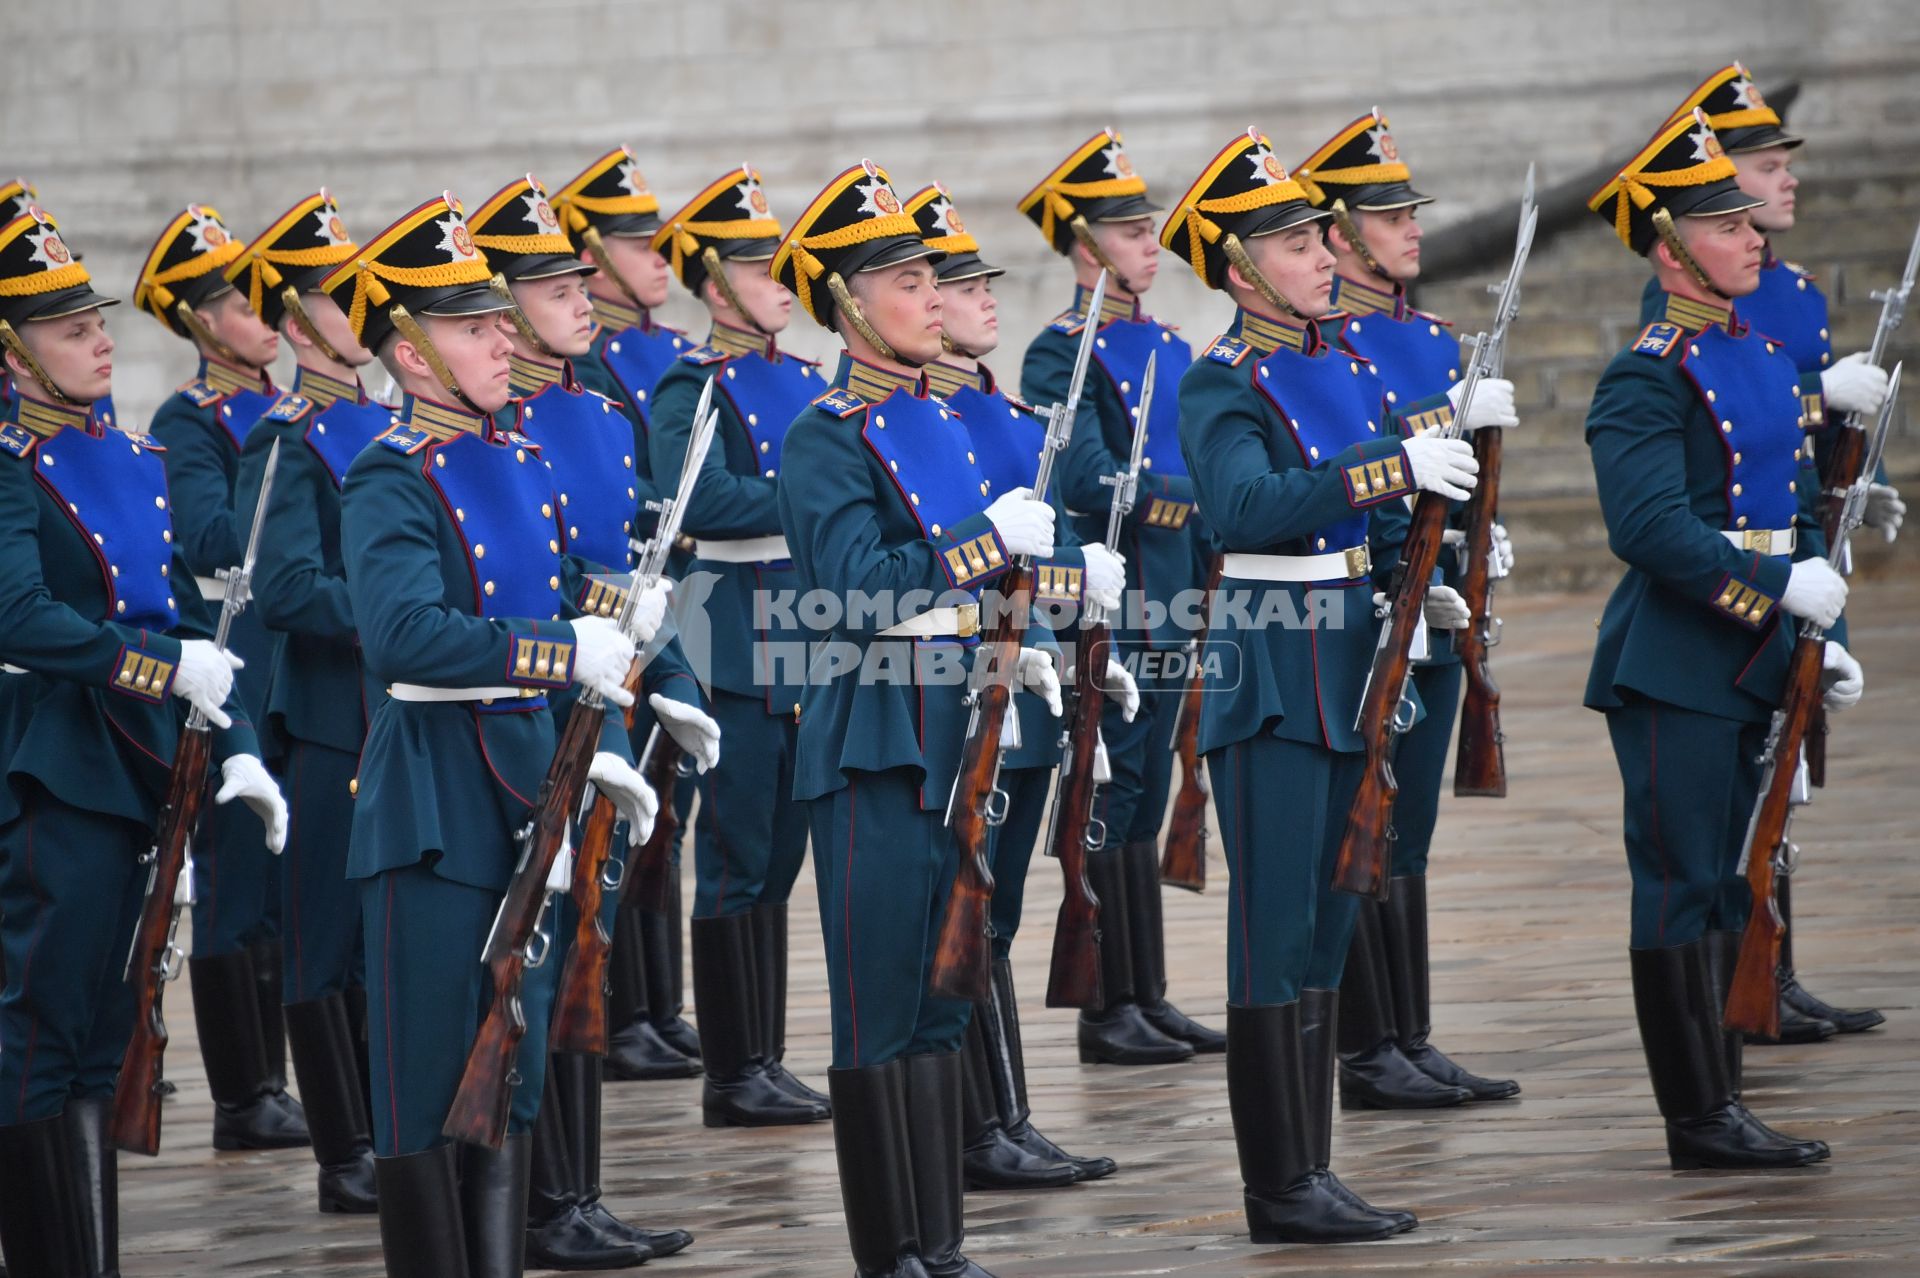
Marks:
<point>1386,1061</point>
<point>466,599</point>
<point>894,529</point>
<point>1300,466</point>
<point>1697,432</point>
<point>1093,210</point>
<point>314,715</point>
<point>236,968</point>
<point>749,847</point>
<point>107,636</point>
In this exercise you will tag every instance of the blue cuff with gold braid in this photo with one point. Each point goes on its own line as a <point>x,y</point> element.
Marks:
<point>1746,604</point>
<point>540,661</point>
<point>1163,511</point>
<point>143,675</point>
<point>603,596</point>
<point>972,552</point>
<point>1058,583</point>
<point>1371,482</point>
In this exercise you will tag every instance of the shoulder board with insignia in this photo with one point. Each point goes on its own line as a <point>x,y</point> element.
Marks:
<point>518,440</point>
<point>1431,318</point>
<point>1160,323</point>
<point>1020,404</point>
<point>607,399</point>
<point>1228,350</point>
<point>1068,322</point>
<point>17,440</point>
<point>1658,339</point>
<point>840,401</point>
<point>198,393</point>
<point>703,355</point>
<point>403,439</point>
<point>1797,269</point>
<point>290,409</point>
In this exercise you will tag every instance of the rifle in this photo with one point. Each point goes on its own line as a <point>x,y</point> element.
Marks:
<point>1844,459</point>
<point>1385,711</point>
<point>1753,1001</point>
<point>1073,832</point>
<point>517,942</point>
<point>1480,766</point>
<point>1183,863</point>
<point>156,956</point>
<point>651,882</point>
<point>961,959</point>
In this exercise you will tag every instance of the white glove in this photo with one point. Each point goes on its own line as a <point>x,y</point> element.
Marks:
<point>1024,525</point>
<point>1502,551</point>
<point>601,658</point>
<point>1445,609</point>
<point>1848,681</point>
<point>1106,576</point>
<point>1885,510</point>
<point>650,609</point>
<point>1854,386</point>
<point>1120,688</point>
<point>1492,403</point>
<point>691,728</point>
<point>245,778</point>
<point>1444,466</point>
<point>204,678</point>
<point>1816,592</point>
<point>614,777</point>
<point>1038,676</point>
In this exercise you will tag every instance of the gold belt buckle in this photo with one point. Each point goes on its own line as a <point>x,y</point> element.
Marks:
<point>1760,540</point>
<point>1359,560</point>
<point>968,624</point>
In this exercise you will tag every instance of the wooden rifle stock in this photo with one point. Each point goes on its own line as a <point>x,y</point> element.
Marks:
<point>580,1007</point>
<point>135,1122</point>
<point>1183,862</point>
<point>1362,865</point>
<point>651,879</point>
<point>1073,979</point>
<point>1480,764</point>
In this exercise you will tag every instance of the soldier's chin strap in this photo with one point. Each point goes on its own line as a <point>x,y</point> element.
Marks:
<point>11,340</point>
<point>1350,232</point>
<point>710,258</point>
<point>1670,236</point>
<point>590,236</point>
<point>504,291</point>
<point>1237,254</point>
<point>1084,233</point>
<point>204,336</point>
<point>290,298</point>
<point>409,327</point>
<point>850,309</point>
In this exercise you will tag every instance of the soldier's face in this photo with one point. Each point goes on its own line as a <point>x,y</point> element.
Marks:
<point>75,351</point>
<point>475,348</point>
<point>1298,264</point>
<point>1728,249</point>
<point>332,323</point>
<point>1393,237</point>
<point>903,305</point>
<point>1132,249</point>
<point>1768,175</point>
<point>559,310</point>
<point>229,318</point>
<point>644,270</point>
<point>768,303</point>
<point>968,315</point>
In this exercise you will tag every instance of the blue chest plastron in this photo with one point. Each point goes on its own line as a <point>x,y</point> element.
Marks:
<point>239,411</point>
<point>114,489</point>
<point>589,446</point>
<point>1121,350</point>
<point>1329,403</point>
<point>1006,440</point>
<point>1752,389</point>
<point>767,396</point>
<point>501,498</point>
<point>1416,357</point>
<point>340,431</point>
<point>637,358</point>
<point>1791,309</point>
<point>928,455</point>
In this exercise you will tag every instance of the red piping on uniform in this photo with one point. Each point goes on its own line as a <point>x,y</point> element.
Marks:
<point>487,758</point>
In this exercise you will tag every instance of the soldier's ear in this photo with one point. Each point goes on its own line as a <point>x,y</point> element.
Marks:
<point>1337,241</point>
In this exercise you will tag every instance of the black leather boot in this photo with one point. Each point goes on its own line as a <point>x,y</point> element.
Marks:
<point>354,1000</point>
<point>1119,1033</point>
<point>493,1206</point>
<point>1140,862</point>
<point>1795,997</point>
<point>250,1111</point>
<point>991,1159</point>
<point>559,1234</point>
<point>1319,1043</point>
<point>870,1143</point>
<point>93,1165</point>
<point>1679,1015</point>
<point>738,1091</point>
<point>421,1231</point>
<point>268,956</point>
<point>321,1035</point>
<point>666,989</point>
<point>635,1050</point>
<point>770,961</point>
<point>933,1136</point>
<point>577,1087</point>
<point>43,1230</point>
<point>1374,1072</point>
<point>1403,921</point>
<point>999,1020</point>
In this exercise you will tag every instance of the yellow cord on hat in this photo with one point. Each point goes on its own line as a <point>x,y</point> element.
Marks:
<point>552,242</point>
<point>686,235</point>
<point>69,276</point>
<point>1203,230</point>
<point>1356,175</point>
<point>1639,188</point>
<point>262,264</point>
<point>808,268</point>
<point>1060,196</point>
<point>154,287</point>
<point>370,282</point>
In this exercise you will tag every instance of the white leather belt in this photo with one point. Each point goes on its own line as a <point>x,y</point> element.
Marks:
<point>421,692</point>
<point>743,550</point>
<point>1763,541</point>
<point>212,589</point>
<point>962,622</point>
<point>1337,565</point>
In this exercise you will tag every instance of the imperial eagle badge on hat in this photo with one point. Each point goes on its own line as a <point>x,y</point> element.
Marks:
<point>302,245</point>
<point>858,223</point>
<point>611,196</point>
<point>185,266</point>
<point>1244,192</point>
<point>427,261</point>
<point>521,235</point>
<point>1360,166</point>
<point>1740,117</point>
<point>1683,171</point>
<point>942,229</point>
<point>731,217</point>
<point>1095,183</point>
<point>40,279</point>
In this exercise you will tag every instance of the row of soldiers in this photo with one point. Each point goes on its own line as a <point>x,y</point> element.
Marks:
<point>438,580</point>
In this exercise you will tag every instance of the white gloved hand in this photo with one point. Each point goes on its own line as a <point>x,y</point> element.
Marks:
<point>1120,688</point>
<point>614,777</point>
<point>204,679</point>
<point>1444,466</point>
<point>1815,592</point>
<point>649,610</point>
<point>1492,403</point>
<point>1025,525</point>
<point>1106,576</point>
<point>1445,609</point>
<point>1847,682</point>
<point>692,729</point>
<point>245,778</point>
<point>1502,551</point>
<point>1885,510</point>
<point>1038,676</point>
<point>1854,386</point>
<point>601,657</point>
